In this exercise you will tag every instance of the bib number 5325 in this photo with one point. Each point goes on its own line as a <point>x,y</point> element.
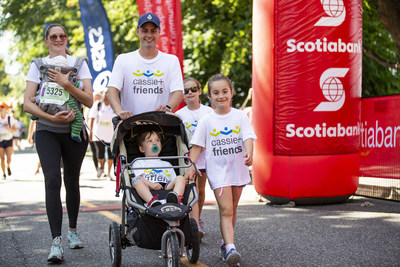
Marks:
<point>53,93</point>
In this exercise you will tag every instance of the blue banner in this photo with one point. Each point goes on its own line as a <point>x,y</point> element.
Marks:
<point>99,43</point>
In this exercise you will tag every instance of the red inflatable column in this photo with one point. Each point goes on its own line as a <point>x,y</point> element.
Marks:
<point>307,99</point>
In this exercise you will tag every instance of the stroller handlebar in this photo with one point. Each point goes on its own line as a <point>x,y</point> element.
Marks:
<point>115,120</point>
<point>130,165</point>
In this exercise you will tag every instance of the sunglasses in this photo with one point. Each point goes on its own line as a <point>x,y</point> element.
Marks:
<point>193,89</point>
<point>54,37</point>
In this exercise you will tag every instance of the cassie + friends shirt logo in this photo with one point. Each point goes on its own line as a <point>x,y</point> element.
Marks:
<point>226,141</point>
<point>157,176</point>
<point>148,82</point>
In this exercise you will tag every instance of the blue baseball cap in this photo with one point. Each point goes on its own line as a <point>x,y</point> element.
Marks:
<point>149,17</point>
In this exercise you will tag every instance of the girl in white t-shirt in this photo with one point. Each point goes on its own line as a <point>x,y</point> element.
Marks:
<point>190,115</point>
<point>228,138</point>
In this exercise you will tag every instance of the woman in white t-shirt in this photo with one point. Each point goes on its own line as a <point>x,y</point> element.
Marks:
<point>101,132</point>
<point>7,127</point>
<point>228,138</point>
<point>190,115</point>
<point>53,138</point>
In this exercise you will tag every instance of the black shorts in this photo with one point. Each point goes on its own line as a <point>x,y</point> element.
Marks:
<point>6,143</point>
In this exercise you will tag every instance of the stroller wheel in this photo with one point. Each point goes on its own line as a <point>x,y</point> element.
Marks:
<point>114,244</point>
<point>172,258</point>
<point>193,250</point>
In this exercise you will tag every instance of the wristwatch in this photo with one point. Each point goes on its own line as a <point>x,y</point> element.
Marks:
<point>169,108</point>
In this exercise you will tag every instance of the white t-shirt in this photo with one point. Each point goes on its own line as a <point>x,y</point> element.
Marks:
<point>145,83</point>
<point>151,171</point>
<point>103,128</point>
<point>6,134</point>
<point>191,118</point>
<point>223,137</point>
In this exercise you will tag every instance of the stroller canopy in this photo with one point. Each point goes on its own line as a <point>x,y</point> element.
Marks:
<point>164,122</point>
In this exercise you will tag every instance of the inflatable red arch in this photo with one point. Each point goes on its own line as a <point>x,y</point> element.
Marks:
<point>307,99</point>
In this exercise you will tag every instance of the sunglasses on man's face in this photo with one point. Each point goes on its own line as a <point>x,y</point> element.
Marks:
<point>193,89</point>
<point>54,37</point>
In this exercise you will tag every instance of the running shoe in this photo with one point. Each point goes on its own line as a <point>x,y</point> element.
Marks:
<point>154,202</point>
<point>222,250</point>
<point>4,176</point>
<point>9,171</point>
<point>56,253</point>
<point>110,178</point>
<point>74,239</point>
<point>232,258</point>
<point>99,172</point>
<point>201,226</point>
<point>172,197</point>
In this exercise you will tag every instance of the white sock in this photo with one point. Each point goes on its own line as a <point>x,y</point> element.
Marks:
<point>229,247</point>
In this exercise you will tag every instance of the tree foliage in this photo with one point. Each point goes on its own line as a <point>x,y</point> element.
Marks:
<point>216,38</point>
<point>380,75</point>
<point>4,81</point>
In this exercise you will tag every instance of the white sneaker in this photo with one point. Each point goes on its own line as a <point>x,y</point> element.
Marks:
<point>57,253</point>
<point>74,239</point>
<point>99,172</point>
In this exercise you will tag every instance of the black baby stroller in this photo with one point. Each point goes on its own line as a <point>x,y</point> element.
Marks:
<point>167,226</point>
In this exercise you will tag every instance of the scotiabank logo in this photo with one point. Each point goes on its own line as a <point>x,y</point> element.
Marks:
<point>332,89</point>
<point>336,13</point>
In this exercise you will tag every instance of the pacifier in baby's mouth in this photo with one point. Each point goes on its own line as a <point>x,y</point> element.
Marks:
<point>155,148</point>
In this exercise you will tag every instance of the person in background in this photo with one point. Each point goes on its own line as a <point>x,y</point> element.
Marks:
<point>96,97</point>
<point>228,138</point>
<point>101,130</point>
<point>147,79</point>
<point>31,140</point>
<point>19,133</point>
<point>7,127</point>
<point>190,115</point>
<point>54,143</point>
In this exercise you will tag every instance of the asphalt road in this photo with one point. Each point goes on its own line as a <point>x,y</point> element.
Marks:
<point>361,232</point>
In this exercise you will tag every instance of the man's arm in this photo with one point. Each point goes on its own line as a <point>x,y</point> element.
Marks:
<point>115,102</point>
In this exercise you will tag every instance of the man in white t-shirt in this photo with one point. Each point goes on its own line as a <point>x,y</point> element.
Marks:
<point>147,78</point>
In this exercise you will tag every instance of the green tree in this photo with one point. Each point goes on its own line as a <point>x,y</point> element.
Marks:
<point>216,33</point>
<point>217,38</point>
<point>381,74</point>
<point>4,81</point>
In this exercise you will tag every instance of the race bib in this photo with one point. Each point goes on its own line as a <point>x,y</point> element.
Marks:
<point>53,93</point>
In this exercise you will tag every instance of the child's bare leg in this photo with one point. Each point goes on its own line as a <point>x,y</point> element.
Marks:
<point>142,189</point>
<point>201,186</point>
<point>179,185</point>
<point>195,213</point>
<point>236,194</point>
<point>109,165</point>
<point>228,199</point>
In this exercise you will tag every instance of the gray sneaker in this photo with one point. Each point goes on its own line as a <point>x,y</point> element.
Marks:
<point>74,239</point>
<point>56,253</point>
<point>232,258</point>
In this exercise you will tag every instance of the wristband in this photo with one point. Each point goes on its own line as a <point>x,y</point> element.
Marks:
<point>168,107</point>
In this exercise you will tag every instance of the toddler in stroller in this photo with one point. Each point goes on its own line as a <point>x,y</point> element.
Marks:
<point>163,222</point>
<point>147,179</point>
